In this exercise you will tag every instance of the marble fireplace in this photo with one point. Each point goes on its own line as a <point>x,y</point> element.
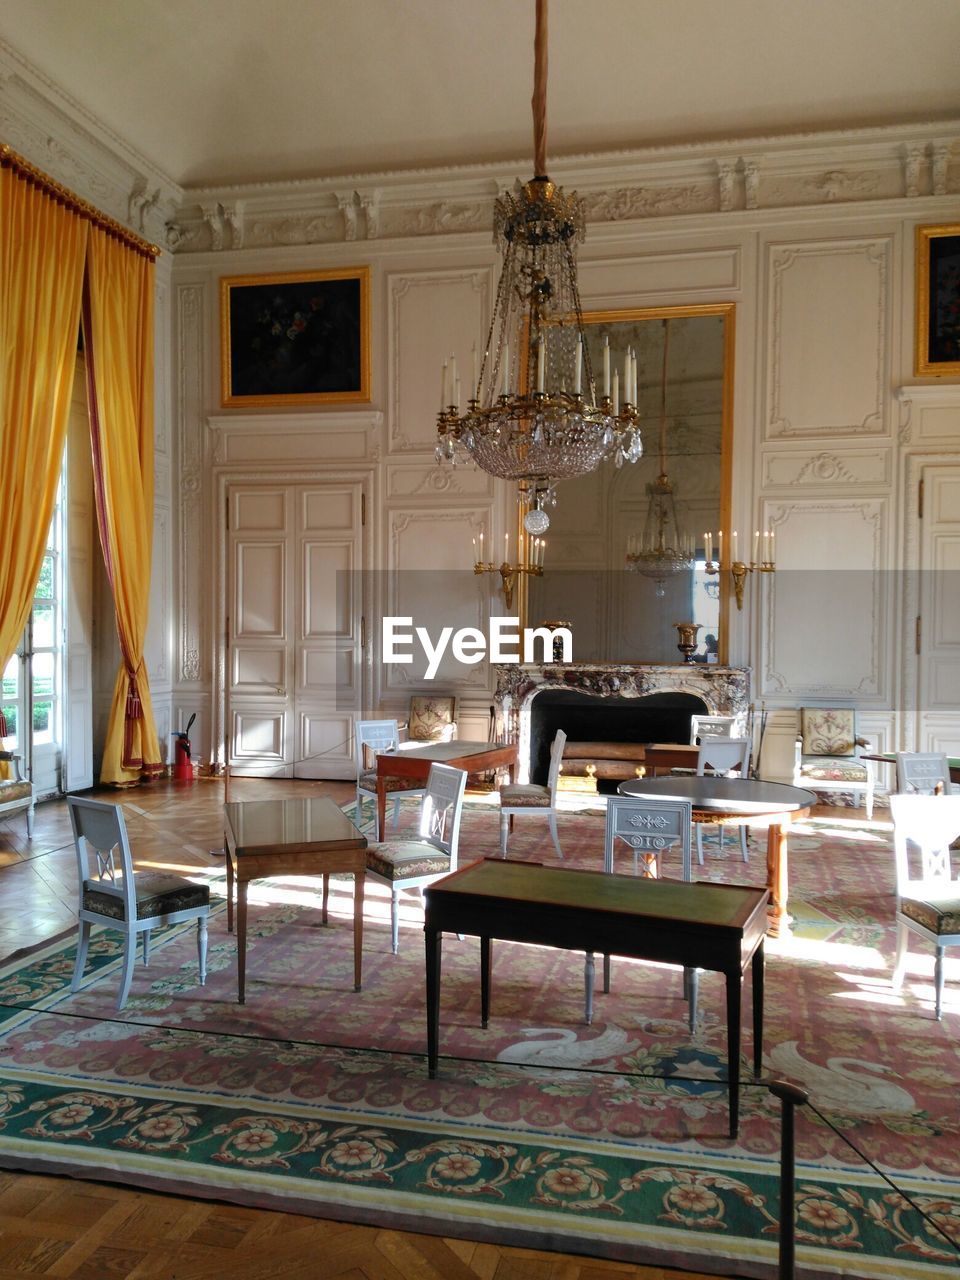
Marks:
<point>620,702</point>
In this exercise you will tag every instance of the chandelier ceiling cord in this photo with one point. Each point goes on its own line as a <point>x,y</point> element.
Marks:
<point>662,550</point>
<point>535,415</point>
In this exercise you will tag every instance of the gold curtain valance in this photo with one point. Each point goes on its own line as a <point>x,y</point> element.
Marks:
<point>10,159</point>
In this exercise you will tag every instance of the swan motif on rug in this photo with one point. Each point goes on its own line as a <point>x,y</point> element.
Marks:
<point>846,1084</point>
<point>560,1047</point>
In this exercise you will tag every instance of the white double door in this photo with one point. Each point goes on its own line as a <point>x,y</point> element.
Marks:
<point>294,629</point>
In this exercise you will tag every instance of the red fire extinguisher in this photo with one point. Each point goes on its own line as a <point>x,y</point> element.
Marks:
<point>182,765</point>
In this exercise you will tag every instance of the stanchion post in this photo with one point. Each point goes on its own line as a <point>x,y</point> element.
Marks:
<point>791,1097</point>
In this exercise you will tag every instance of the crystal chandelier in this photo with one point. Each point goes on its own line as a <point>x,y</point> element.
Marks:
<point>662,549</point>
<point>535,415</point>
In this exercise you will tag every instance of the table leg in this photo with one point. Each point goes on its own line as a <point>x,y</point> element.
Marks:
<point>777,876</point>
<point>758,966</point>
<point>484,982</point>
<point>381,806</point>
<point>433,939</point>
<point>326,897</point>
<point>357,929</point>
<point>241,941</point>
<point>734,982</point>
<point>226,852</point>
<point>589,970</point>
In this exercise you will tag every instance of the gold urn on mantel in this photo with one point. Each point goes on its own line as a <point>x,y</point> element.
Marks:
<point>687,643</point>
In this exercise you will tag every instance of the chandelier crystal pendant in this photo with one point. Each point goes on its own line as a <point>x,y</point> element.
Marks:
<point>535,415</point>
<point>662,550</point>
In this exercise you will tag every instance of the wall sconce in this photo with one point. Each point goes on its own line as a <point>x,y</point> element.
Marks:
<point>510,573</point>
<point>763,559</point>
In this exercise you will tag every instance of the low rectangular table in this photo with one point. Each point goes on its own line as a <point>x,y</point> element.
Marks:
<point>286,838</point>
<point>707,926</point>
<point>415,762</point>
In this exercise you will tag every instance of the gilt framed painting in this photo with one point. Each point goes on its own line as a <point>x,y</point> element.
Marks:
<point>298,338</point>
<point>938,302</point>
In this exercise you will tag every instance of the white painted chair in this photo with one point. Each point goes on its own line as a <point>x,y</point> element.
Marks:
<point>650,829</point>
<point>723,758</point>
<point>923,773</point>
<point>373,737</point>
<point>113,895</point>
<point>713,727</point>
<point>521,798</point>
<point>411,864</point>
<point>928,894</point>
<point>828,754</point>
<point>16,793</point>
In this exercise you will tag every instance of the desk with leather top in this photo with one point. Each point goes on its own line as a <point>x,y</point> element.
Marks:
<point>707,926</point>
<point>414,763</point>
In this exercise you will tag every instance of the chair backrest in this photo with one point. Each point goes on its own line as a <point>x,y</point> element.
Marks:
<point>923,829</point>
<point>828,731</point>
<point>104,861</point>
<point>922,773</point>
<point>441,808</point>
<point>374,736</point>
<point>432,718</point>
<point>712,727</point>
<point>724,756</point>
<point>649,826</point>
<point>556,759</point>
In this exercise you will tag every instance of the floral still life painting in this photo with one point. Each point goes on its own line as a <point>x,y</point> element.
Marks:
<point>295,339</point>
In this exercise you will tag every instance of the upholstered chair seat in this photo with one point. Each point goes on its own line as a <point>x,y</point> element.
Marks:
<point>402,859</point>
<point>16,793</point>
<point>368,782</point>
<point>156,895</point>
<point>940,917</point>
<point>833,771</point>
<point>532,794</point>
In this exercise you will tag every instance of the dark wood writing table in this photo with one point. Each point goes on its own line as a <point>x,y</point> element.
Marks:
<point>708,926</point>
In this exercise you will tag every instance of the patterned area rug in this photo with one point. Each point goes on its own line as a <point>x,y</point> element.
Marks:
<point>608,1140</point>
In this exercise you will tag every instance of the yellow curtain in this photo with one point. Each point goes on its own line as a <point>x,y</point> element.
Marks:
<point>118,343</point>
<point>42,247</point>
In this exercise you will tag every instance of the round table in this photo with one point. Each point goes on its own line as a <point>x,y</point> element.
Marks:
<point>738,800</point>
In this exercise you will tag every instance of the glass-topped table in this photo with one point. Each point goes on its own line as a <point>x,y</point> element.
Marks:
<point>307,836</point>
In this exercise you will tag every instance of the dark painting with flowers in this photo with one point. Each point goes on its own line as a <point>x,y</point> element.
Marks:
<point>298,338</point>
<point>938,300</point>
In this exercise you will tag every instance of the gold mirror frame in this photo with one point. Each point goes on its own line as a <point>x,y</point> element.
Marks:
<point>649,428</point>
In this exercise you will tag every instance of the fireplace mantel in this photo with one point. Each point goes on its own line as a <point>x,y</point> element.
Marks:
<point>724,690</point>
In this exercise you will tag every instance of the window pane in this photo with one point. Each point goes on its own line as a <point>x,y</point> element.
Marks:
<point>43,616</point>
<point>42,722</point>
<point>43,666</point>
<point>45,581</point>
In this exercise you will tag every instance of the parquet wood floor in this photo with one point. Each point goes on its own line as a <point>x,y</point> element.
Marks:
<point>64,1227</point>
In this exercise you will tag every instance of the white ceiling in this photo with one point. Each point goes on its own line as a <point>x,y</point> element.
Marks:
<point>218,91</point>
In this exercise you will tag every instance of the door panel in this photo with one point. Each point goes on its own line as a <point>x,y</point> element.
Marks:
<point>939,657</point>
<point>295,638</point>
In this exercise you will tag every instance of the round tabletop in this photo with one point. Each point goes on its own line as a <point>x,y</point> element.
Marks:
<point>736,797</point>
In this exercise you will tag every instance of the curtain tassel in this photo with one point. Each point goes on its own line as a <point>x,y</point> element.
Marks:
<point>3,725</point>
<point>134,709</point>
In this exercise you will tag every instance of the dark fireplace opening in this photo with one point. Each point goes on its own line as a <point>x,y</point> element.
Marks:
<point>658,717</point>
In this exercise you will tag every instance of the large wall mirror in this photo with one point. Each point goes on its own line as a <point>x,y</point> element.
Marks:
<point>685,395</point>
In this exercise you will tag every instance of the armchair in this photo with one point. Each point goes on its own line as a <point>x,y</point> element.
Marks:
<point>431,719</point>
<point>827,756</point>
<point>16,793</point>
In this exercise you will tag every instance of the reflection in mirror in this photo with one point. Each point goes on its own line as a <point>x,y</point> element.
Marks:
<point>623,615</point>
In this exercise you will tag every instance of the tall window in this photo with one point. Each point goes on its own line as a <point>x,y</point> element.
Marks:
<point>32,696</point>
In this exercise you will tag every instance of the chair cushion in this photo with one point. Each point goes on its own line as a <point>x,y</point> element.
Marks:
<point>942,917</point>
<point>368,782</point>
<point>525,795</point>
<point>157,895</point>
<point>827,732</point>
<point>843,770</point>
<point>11,791</point>
<point>405,860</point>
